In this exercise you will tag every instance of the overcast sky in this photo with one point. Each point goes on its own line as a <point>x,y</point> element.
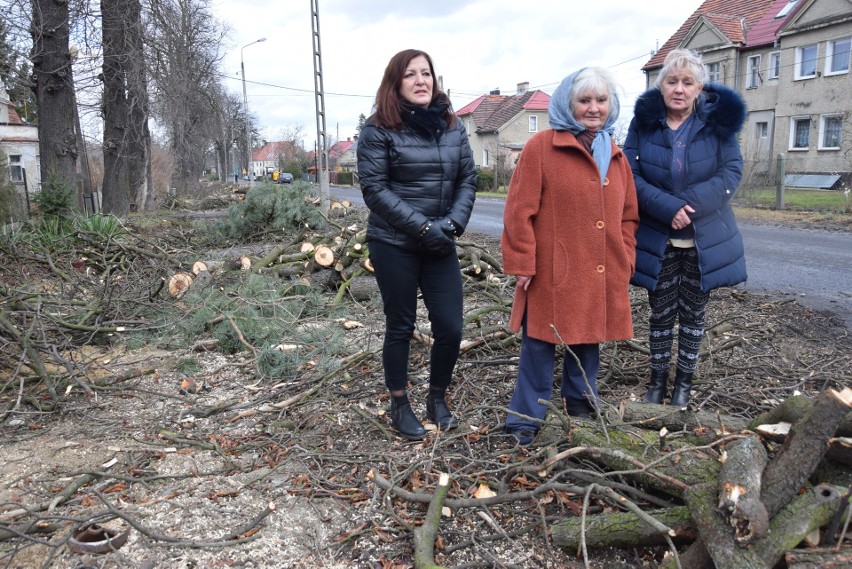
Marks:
<point>477,46</point>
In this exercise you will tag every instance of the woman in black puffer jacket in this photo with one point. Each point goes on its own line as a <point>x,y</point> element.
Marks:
<point>419,182</point>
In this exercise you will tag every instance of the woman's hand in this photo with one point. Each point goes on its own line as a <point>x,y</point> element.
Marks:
<point>522,282</point>
<point>681,218</point>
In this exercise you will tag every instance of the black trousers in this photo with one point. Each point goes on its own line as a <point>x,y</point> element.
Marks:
<point>678,297</point>
<point>399,274</point>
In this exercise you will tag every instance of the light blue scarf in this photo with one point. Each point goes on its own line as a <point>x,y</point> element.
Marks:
<point>562,119</point>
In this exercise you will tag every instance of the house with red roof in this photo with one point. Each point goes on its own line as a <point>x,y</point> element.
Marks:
<point>272,156</point>
<point>341,156</point>
<point>19,145</point>
<point>790,60</point>
<point>498,126</point>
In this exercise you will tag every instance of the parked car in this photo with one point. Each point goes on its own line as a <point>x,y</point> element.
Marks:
<point>285,178</point>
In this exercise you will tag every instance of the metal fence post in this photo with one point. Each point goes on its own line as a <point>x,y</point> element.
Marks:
<point>779,182</point>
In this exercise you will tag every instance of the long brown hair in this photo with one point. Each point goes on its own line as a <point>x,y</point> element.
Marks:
<point>388,107</point>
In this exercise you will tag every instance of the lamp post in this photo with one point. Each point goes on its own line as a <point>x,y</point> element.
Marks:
<point>245,107</point>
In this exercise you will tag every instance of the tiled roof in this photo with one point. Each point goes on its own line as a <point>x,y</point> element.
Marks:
<point>731,26</point>
<point>339,147</point>
<point>728,15</point>
<point>271,151</point>
<point>490,112</point>
<point>14,117</point>
<point>765,31</point>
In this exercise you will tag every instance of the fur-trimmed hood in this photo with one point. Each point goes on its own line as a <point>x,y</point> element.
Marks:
<point>719,107</point>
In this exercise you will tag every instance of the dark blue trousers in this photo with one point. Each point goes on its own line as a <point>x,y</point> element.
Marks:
<point>399,274</point>
<point>535,378</point>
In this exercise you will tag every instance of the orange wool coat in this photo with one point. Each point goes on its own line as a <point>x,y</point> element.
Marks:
<point>575,237</point>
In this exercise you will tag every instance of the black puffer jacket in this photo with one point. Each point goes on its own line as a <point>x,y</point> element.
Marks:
<point>408,178</point>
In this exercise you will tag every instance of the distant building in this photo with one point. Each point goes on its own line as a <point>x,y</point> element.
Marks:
<point>272,156</point>
<point>19,144</point>
<point>498,126</point>
<point>790,60</point>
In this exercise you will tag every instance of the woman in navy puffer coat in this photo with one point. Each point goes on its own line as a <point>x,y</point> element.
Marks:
<point>419,182</point>
<point>687,164</point>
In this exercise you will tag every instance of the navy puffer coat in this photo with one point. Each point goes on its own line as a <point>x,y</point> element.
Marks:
<point>408,178</point>
<point>714,169</point>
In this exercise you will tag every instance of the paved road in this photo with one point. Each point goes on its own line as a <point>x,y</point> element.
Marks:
<point>813,265</point>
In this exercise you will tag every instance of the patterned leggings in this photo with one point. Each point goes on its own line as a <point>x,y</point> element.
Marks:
<point>678,295</point>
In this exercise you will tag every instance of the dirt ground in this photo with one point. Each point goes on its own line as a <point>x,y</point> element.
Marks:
<point>220,468</point>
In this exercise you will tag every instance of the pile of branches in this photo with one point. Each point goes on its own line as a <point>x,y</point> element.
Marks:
<point>719,483</point>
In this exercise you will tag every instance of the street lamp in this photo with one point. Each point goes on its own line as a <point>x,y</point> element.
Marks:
<point>245,106</point>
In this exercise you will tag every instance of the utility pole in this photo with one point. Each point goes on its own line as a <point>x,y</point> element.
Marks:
<point>322,147</point>
<point>245,108</point>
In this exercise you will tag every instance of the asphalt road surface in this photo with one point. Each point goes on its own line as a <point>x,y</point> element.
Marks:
<point>813,265</point>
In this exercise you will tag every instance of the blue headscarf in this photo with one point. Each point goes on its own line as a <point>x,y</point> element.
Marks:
<point>561,118</point>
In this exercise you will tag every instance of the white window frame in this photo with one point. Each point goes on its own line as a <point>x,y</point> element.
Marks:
<point>773,70</point>
<point>762,128</point>
<point>753,72</point>
<point>485,158</point>
<point>714,72</point>
<point>786,9</point>
<point>830,47</point>
<point>533,123</point>
<point>794,121</point>
<point>16,168</point>
<point>800,61</point>
<point>822,131</point>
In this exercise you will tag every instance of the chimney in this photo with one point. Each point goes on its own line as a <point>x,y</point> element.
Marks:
<point>495,91</point>
<point>523,87</point>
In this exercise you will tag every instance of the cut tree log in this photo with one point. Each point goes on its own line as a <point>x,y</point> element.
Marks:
<point>689,467</point>
<point>819,558</point>
<point>651,416</point>
<point>324,256</point>
<point>793,409</point>
<point>363,288</point>
<point>803,449</point>
<point>198,266</point>
<point>624,529</point>
<point>794,522</point>
<point>178,284</point>
<point>739,489</point>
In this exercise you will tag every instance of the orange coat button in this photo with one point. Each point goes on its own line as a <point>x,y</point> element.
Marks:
<point>600,268</point>
<point>599,225</point>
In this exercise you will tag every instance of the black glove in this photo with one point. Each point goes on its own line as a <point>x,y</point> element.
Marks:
<point>449,227</point>
<point>434,241</point>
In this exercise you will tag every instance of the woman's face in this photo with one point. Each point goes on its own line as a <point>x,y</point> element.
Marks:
<point>417,82</point>
<point>679,89</point>
<point>591,110</point>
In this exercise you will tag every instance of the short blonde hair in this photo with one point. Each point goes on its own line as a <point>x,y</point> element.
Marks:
<point>682,59</point>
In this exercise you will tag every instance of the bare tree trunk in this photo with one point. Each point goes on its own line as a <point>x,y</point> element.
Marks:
<point>126,137</point>
<point>54,91</point>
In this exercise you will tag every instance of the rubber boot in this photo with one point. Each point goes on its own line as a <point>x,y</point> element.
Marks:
<point>438,412</point>
<point>658,386</point>
<point>682,387</point>
<point>404,420</point>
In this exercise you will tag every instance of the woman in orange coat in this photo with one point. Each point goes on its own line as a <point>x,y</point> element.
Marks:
<point>569,238</point>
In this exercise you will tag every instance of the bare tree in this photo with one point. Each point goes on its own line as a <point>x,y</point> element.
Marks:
<point>127,141</point>
<point>185,51</point>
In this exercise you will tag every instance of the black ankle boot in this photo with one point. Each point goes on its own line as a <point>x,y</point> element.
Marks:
<point>658,386</point>
<point>682,387</point>
<point>404,419</point>
<point>580,408</point>
<point>438,412</point>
